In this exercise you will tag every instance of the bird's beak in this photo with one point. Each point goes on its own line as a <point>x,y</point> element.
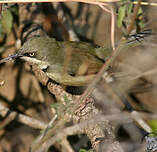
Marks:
<point>11,57</point>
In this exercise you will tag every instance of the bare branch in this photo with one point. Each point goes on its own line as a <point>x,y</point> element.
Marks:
<point>111,11</point>
<point>130,27</point>
<point>39,1</point>
<point>60,134</point>
<point>11,115</point>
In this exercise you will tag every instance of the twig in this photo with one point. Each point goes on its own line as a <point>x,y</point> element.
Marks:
<point>45,131</point>
<point>39,1</point>
<point>47,128</point>
<point>93,131</point>
<point>83,1</point>
<point>38,89</point>
<point>130,27</point>
<point>146,3</point>
<point>106,65</point>
<point>119,117</point>
<point>136,116</point>
<point>148,116</point>
<point>1,9</point>
<point>7,120</point>
<point>138,72</point>
<point>63,19</point>
<point>111,11</point>
<point>2,82</point>
<point>114,147</point>
<point>117,91</point>
<point>149,72</point>
<point>66,146</point>
<point>21,118</point>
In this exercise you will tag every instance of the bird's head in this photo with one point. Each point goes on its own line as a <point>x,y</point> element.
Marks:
<point>30,51</point>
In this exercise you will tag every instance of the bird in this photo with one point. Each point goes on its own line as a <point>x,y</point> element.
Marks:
<point>70,63</point>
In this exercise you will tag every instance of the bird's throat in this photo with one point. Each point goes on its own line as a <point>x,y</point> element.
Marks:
<point>42,64</point>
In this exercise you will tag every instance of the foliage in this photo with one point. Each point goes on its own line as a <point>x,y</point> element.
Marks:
<point>125,12</point>
<point>6,21</point>
<point>7,18</point>
<point>153,125</point>
<point>84,150</point>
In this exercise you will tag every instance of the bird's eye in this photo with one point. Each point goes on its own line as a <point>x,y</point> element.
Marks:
<point>32,54</point>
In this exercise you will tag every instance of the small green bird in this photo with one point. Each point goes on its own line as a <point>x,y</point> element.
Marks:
<point>69,63</point>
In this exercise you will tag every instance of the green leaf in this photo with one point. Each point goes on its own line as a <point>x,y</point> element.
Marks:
<point>33,4</point>
<point>7,21</point>
<point>41,131</point>
<point>141,24</point>
<point>84,150</point>
<point>140,11</point>
<point>55,105</point>
<point>14,10</point>
<point>153,125</point>
<point>152,134</point>
<point>130,8</point>
<point>66,99</point>
<point>1,30</point>
<point>121,15</point>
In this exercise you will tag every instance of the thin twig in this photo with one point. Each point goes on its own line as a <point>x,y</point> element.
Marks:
<point>7,120</point>
<point>130,27</point>
<point>21,118</point>
<point>44,131</point>
<point>117,91</point>
<point>136,116</point>
<point>148,116</point>
<point>2,82</point>
<point>118,117</point>
<point>138,72</point>
<point>146,3</point>
<point>106,65</point>
<point>93,131</point>
<point>47,128</point>
<point>111,11</point>
<point>39,1</point>
<point>66,146</point>
<point>83,1</point>
<point>0,9</point>
<point>38,89</point>
<point>149,72</point>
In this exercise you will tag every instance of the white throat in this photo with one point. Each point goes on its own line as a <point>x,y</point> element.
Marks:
<point>42,64</point>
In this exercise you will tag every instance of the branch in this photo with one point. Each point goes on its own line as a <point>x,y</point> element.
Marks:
<point>130,27</point>
<point>11,115</point>
<point>40,1</point>
<point>119,117</point>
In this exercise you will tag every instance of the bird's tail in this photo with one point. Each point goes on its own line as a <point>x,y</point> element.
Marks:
<point>131,41</point>
<point>140,37</point>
